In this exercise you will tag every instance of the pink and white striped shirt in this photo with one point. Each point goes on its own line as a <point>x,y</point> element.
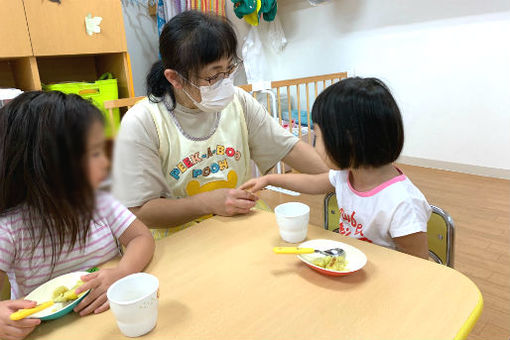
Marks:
<point>27,272</point>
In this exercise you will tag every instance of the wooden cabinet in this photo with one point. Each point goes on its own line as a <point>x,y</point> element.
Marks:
<point>42,41</point>
<point>14,38</point>
<point>60,28</point>
<point>21,73</point>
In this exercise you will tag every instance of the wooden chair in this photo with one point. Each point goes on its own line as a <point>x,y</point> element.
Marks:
<point>123,104</point>
<point>440,230</point>
<point>127,103</point>
<point>304,90</point>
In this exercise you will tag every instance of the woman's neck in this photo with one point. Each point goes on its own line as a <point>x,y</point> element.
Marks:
<point>366,179</point>
<point>182,99</point>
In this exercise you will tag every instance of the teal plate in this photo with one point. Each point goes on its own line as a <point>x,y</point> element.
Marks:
<point>44,293</point>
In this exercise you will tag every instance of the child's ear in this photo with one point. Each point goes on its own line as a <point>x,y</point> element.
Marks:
<point>173,78</point>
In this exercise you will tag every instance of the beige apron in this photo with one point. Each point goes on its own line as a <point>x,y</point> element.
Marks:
<point>194,165</point>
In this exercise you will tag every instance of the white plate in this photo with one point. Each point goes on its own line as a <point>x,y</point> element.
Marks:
<point>45,291</point>
<point>355,258</point>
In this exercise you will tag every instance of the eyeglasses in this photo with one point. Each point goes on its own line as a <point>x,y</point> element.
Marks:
<point>222,75</point>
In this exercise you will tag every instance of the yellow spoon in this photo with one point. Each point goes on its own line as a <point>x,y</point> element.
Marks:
<point>298,250</point>
<point>23,313</point>
<point>63,296</point>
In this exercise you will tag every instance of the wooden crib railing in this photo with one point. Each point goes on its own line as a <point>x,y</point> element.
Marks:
<point>304,91</point>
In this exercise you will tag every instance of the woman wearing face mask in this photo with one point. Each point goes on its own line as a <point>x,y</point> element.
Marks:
<point>181,153</point>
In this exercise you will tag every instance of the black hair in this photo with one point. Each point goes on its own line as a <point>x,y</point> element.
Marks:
<point>188,42</point>
<point>43,168</point>
<point>360,122</point>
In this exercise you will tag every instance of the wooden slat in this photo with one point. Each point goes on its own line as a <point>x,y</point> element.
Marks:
<point>113,104</point>
<point>299,111</point>
<point>308,107</point>
<point>269,104</point>
<point>278,100</point>
<point>288,82</point>
<point>246,87</point>
<point>295,81</point>
<point>289,108</point>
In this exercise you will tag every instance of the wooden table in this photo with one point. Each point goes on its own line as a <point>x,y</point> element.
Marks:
<point>221,280</point>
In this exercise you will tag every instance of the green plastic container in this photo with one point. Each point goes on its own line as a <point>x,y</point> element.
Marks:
<point>98,92</point>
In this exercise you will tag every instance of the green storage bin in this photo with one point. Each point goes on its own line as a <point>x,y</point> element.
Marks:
<point>98,92</point>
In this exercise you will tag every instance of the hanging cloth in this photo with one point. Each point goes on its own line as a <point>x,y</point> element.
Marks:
<point>208,6</point>
<point>161,15</point>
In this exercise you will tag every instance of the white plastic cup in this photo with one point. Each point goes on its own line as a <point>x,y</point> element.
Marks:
<point>292,219</point>
<point>134,302</point>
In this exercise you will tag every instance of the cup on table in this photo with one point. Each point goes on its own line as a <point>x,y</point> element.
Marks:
<point>292,219</point>
<point>134,302</point>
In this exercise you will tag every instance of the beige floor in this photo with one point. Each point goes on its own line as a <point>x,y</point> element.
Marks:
<point>480,207</point>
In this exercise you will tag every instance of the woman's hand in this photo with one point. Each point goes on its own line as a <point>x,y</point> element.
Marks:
<point>16,330</point>
<point>255,184</point>
<point>229,202</point>
<point>96,301</point>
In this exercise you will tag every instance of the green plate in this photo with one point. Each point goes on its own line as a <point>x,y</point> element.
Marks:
<point>44,293</point>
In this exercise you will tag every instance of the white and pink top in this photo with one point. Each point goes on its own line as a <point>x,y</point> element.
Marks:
<point>393,209</point>
<point>27,272</point>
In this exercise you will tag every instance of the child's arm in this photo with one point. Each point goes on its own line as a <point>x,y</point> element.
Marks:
<point>10,329</point>
<point>308,184</point>
<point>140,246</point>
<point>413,244</point>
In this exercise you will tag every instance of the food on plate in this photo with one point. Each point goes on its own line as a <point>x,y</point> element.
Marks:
<point>337,263</point>
<point>63,294</point>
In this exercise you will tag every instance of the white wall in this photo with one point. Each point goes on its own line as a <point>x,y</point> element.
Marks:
<point>142,40</point>
<point>447,63</point>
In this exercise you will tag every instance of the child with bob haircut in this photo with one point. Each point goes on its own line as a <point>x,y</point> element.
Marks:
<point>360,134</point>
<point>52,220</point>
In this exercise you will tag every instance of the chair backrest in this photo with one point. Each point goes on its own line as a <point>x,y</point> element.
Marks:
<point>110,105</point>
<point>123,104</point>
<point>440,232</point>
<point>440,229</point>
<point>331,213</point>
<point>282,93</point>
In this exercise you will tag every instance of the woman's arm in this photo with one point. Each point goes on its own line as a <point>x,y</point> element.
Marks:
<point>165,212</point>
<point>413,244</point>
<point>308,184</point>
<point>303,158</point>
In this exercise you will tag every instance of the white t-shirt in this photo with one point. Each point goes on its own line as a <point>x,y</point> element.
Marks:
<point>26,271</point>
<point>393,209</point>
<point>138,175</point>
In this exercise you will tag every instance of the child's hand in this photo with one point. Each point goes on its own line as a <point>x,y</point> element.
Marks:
<point>16,330</point>
<point>255,184</point>
<point>98,282</point>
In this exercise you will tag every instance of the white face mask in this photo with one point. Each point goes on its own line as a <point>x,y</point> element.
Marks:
<point>214,97</point>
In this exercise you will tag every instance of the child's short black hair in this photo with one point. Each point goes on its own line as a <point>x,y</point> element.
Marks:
<point>360,123</point>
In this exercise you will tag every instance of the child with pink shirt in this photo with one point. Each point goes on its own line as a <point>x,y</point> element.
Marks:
<point>360,134</point>
<point>52,219</point>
